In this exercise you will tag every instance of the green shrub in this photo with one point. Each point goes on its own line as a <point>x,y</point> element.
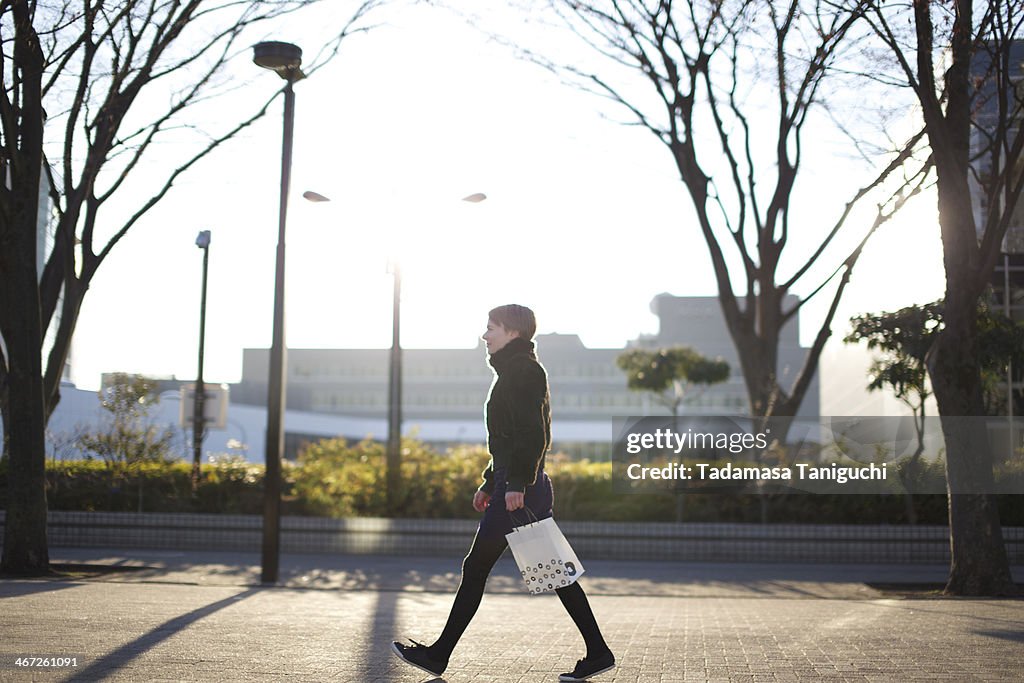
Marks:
<point>94,485</point>
<point>333,478</point>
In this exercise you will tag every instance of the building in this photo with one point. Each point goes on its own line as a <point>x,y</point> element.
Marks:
<point>444,389</point>
<point>698,322</point>
<point>1008,275</point>
<point>343,392</point>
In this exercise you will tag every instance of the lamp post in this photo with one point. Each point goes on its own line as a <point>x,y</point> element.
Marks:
<point>393,449</point>
<point>198,421</point>
<point>393,459</point>
<point>285,60</point>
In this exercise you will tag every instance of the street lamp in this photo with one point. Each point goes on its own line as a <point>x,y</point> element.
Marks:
<point>284,59</point>
<point>393,459</point>
<point>393,450</point>
<point>198,422</point>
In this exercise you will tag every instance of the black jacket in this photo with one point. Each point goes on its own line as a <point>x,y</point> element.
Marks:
<point>518,416</point>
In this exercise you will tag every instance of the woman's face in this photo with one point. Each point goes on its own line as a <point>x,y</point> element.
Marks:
<point>497,336</point>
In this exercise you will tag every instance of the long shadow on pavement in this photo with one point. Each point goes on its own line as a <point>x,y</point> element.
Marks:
<point>381,630</point>
<point>60,577</point>
<point>14,588</point>
<point>381,634</point>
<point>106,664</point>
<point>1016,636</point>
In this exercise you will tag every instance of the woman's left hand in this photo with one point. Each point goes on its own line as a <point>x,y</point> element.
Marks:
<point>514,500</point>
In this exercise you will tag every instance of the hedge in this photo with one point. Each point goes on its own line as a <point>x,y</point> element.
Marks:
<point>333,478</point>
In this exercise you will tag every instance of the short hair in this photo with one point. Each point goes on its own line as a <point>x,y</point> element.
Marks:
<point>515,317</point>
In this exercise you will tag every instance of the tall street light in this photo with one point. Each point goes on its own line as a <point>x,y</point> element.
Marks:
<point>198,421</point>
<point>393,449</point>
<point>393,457</point>
<point>393,460</point>
<point>285,60</point>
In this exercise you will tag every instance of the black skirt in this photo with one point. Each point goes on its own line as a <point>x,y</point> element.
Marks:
<point>497,521</point>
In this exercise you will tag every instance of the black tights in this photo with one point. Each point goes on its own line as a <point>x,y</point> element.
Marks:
<point>475,570</point>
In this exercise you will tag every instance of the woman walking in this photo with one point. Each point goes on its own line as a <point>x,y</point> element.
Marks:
<point>518,418</point>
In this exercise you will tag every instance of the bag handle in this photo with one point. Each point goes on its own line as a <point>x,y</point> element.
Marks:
<point>529,514</point>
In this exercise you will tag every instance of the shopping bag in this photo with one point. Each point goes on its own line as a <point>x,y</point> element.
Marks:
<point>546,560</point>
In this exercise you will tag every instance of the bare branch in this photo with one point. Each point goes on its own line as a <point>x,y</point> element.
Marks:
<point>896,202</point>
<point>896,164</point>
<point>112,53</point>
<point>155,198</point>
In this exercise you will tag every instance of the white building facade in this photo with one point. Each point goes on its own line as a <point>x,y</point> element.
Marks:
<point>444,389</point>
<point>343,392</point>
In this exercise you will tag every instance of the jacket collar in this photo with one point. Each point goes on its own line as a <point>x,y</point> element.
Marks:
<point>517,347</point>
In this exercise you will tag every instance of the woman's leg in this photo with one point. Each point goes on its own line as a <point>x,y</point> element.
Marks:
<point>576,604</point>
<point>475,569</point>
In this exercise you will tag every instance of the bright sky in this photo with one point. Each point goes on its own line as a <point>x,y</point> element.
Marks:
<point>585,219</point>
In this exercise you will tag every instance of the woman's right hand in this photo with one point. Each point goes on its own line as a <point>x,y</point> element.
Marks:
<point>480,501</point>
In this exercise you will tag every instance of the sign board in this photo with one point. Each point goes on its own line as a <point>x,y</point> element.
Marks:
<point>215,405</point>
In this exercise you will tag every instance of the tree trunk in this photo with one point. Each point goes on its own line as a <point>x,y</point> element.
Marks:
<point>5,420</point>
<point>979,564</point>
<point>25,546</point>
<point>769,403</point>
<point>5,416</point>
<point>25,549</point>
<point>758,357</point>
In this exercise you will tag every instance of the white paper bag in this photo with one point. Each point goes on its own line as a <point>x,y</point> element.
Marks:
<point>545,558</point>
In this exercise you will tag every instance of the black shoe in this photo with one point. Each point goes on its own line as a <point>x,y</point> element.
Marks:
<point>590,666</point>
<point>418,655</point>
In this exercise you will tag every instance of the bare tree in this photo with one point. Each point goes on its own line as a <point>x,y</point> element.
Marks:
<point>964,68</point>
<point>111,81</point>
<point>729,87</point>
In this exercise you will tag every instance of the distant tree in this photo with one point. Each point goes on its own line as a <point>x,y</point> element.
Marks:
<point>129,437</point>
<point>127,396</point>
<point>905,338</point>
<point>113,82</point>
<point>1000,342</point>
<point>669,374</point>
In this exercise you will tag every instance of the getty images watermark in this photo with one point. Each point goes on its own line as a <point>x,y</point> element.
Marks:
<point>855,455</point>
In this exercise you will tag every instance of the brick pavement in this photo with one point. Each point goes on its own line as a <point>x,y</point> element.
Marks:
<point>162,627</point>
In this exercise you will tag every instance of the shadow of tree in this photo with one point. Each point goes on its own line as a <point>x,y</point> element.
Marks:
<point>1015,636</point>
<point>106,664</point>
<point>15,588</point>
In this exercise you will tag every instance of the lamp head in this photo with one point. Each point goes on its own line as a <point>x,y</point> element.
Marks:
<point>315,197</point>
<point>203,240</point>
<point>281,58</point>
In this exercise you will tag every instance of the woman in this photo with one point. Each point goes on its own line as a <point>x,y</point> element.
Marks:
<point>518,418</point>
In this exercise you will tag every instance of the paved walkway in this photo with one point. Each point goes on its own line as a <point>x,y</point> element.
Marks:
<point>204,617</point>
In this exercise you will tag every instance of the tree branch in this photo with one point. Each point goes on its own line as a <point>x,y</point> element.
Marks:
<point>897,163</point>
<point>155,198</point>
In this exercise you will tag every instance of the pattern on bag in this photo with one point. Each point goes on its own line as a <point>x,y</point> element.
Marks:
<point>547,575</point>
<point>537,548</point>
